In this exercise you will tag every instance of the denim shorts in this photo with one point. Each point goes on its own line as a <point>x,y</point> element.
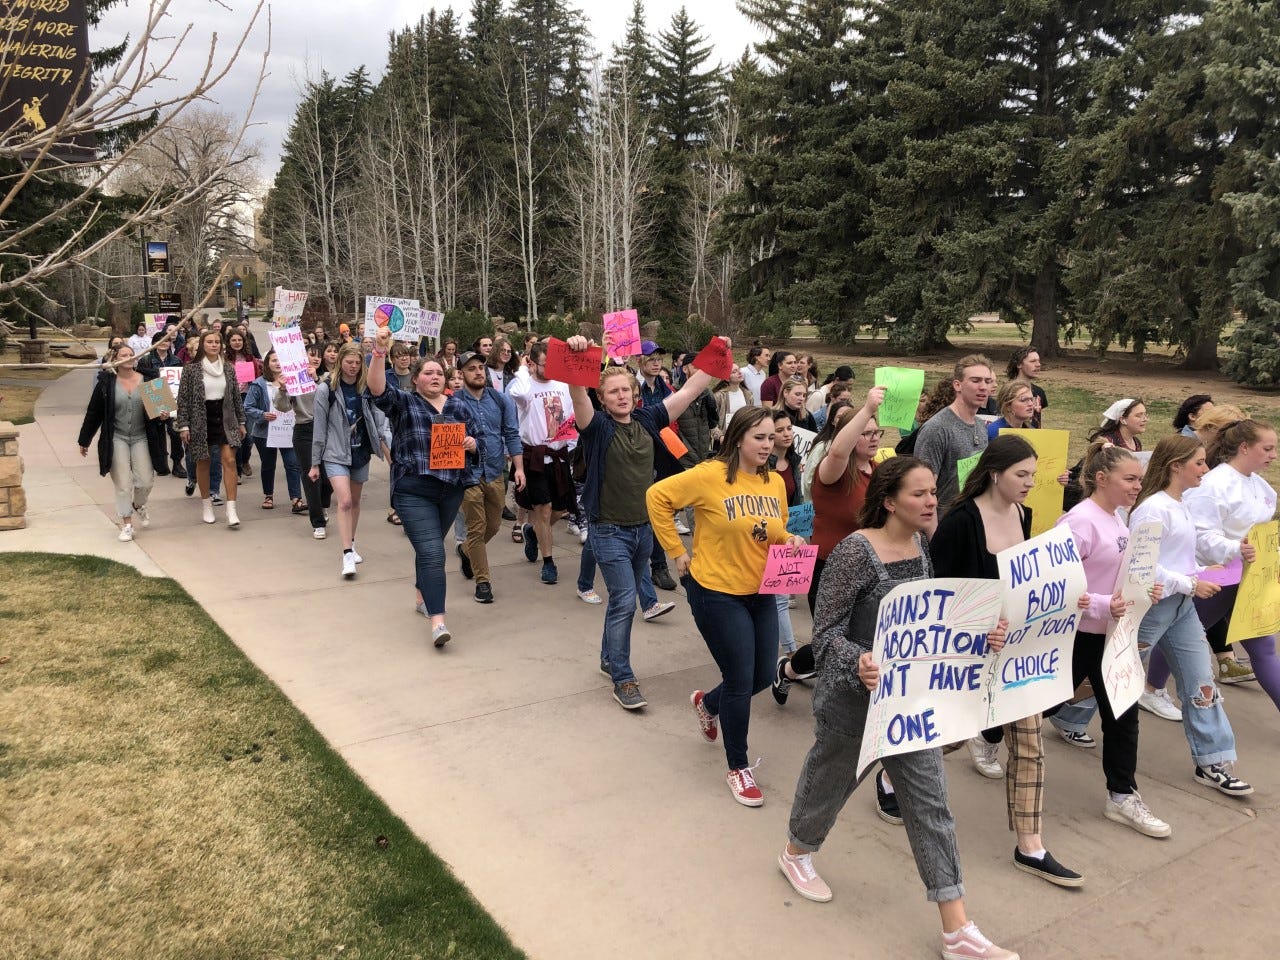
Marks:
<point>358,475</point>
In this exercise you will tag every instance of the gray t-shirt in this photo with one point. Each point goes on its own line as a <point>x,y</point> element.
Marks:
<point>131,418</point>
<point>943,442</point>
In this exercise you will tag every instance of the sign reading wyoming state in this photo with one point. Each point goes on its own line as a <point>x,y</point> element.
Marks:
<point>44,68</point>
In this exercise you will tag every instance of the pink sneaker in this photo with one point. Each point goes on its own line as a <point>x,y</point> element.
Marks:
<point>968,943</point>
<point>803,878</point>
<point>707,724</point>
<point>743,787</point>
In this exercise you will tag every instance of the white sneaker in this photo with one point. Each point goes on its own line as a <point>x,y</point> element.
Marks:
<point>590,596</point>
<point>968,943</point>
<point>207,516</point>
<point>657,610</point>
<point>986,757</point>
<point>348,565</point>
<point>233,518</point>
<point>682,528</point>
<point>358,558</point>
<point>1132,812</point>
<point>319,533</point>
<point>141,514</point>
<point>1161,704</point>
<point>126,533</point>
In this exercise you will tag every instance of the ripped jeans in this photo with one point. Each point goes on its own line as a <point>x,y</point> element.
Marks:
<point>1174,625</point>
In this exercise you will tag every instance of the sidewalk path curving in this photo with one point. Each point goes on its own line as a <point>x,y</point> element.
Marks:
<point>589,832</point>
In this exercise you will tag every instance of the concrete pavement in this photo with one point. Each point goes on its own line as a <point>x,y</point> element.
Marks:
<point>588,831</point>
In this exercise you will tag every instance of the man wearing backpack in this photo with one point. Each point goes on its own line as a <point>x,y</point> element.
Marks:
<point>497,432</point>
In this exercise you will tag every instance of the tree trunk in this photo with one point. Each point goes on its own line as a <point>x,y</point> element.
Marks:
<point>1044,312</point>
<point>1202,350</point>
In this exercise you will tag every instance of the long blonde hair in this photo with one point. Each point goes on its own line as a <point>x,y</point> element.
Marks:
<point>349,349</point>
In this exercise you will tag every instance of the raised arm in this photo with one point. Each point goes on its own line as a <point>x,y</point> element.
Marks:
<point>836,460</point>
<point>376,378</point>
<point>583,411</point>
<point>698,381</point>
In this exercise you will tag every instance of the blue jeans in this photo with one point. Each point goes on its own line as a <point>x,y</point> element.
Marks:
<point>786,636</point>
<point>622,553</point>
<point>742,634</point>
<point>1075,717</point>
<point>293,479</point>
<point>586,568</point>
<point>1174,625</point>
<point>427,507</point>
<point>215,467</point>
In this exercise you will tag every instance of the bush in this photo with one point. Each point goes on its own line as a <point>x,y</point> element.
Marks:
<point>690,332</point>
<point>560,326</point>
<point>465,326</point>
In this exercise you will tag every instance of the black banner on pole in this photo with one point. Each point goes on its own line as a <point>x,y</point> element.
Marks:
<point>44,69</point>
<point>155,254</point>
<point>168,303</point>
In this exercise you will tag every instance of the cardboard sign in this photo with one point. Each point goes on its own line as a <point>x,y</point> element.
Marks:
<point>173,377</point>
<point>280,430</point>
<point>1257,609</point>
<point>965,467</point>
<point>245,372</point>
<point>1045,498</point>
<point>903,386</point>
<point>576,368</point>
<point>802,442</point>
<point>788,569</point>
<point>715,359</point>
<point>622,334</point>
<point>291,351</point>
<point>447,451</point>
<point>157,398</point>
<point>931,646</point>
<point>800,520</point>
<point>1122,671</point>
<point>286,308</point>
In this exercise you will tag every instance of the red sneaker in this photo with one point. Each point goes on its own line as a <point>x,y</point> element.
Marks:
<point>743,787</point>
<point>708,726</point>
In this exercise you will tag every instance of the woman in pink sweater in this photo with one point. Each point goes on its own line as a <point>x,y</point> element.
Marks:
<point>1111,478</point>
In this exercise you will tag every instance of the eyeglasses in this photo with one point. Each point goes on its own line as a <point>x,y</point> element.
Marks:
<point>872,434</point>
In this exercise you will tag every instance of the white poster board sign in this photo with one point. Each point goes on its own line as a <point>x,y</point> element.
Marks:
<point>401,316</point>
<point>1122,671</point>
<point>286,308</point>
<point>280,430</point>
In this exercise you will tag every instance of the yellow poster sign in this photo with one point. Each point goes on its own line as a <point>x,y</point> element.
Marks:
<point>1257,609</point>
<point>1045,498</point>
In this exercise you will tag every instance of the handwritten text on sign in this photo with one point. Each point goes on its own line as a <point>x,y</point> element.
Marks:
<point>931,645</point>
<point>578,368</point>
<point>287,307</point>
<point>788,569</point>
<point>802,442</point>
<point>447,451</point>
<point>715,359</point>
<point>157,398</point>
<point>291,351</point>
<point>1122,672</point>
<point>280,430</point>
<point>901,397</point>
<point>1043,579</point>
<point>1257,609</point>
<point>622,334</point>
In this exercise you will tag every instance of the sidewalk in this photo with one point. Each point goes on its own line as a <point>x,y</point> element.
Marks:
<point>589,832</point>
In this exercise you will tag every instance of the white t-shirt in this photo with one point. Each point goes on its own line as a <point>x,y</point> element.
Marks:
<point>139,342</point>
<point>752,379</point>
<point>545,408</point>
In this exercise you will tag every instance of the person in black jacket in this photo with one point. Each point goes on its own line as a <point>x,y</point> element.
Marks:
<point>989,516</point>
<point>162,354</point>
<point>130,446</point>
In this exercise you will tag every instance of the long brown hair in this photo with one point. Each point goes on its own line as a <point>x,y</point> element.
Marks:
<point>745,419</point>
<point>1102,457</point>
<point>1227,444</point>
<point>1172,451</point>
<point>1000,454</point>
<point>886,480</point>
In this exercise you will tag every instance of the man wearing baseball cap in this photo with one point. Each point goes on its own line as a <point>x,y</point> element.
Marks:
<point>496,428</point>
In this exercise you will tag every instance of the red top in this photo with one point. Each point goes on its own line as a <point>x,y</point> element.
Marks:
<point>836,507</point>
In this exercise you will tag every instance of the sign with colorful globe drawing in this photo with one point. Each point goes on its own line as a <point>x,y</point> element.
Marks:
<point>399,315</point>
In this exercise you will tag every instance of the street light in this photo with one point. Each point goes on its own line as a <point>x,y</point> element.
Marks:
<point>239,308</point>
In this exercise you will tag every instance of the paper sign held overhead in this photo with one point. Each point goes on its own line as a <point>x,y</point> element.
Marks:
<point>286,308</point>
<point>622,334</point>
<point>1045,499</point>
<point>576,368</point>
<point>395,313</point>
<point>716,359</point>
<point>903,386</point>
<point>291,350</point>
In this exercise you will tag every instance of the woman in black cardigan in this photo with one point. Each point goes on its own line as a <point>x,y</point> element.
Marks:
<point>989,516</point>
<point>131,447</point>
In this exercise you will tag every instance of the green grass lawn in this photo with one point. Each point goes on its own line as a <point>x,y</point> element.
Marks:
<point>163,799</point>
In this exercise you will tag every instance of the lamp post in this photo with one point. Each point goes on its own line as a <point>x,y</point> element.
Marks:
<point>239,307</point>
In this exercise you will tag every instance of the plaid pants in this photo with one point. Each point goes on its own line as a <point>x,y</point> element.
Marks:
<point>1024,774</point>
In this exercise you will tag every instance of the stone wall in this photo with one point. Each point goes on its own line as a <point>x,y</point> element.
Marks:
<point>13,499</point>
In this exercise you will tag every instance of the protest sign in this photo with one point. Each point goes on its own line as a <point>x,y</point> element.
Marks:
<point>157,398</point>
<point>1122,670</point>
<point>291,351</point>
<point>286,308</point>
<point>173,377</point>
<point>802,442</point>
<point>429,323</point>
<point>1043,579</point>
<point>800,520</point>
<point>447,451</point>
<point>1045,499</point>
<point>576,368</point>
<point>1257,609</point>
<point>965,467</point>
<point>156,322</point>
<point>622,334</point>
<point>931,645</point>
<point>788,569</point>
<point>715,359</point>
<point>280,430</point>
<point>390,312</point>
<point>903,387</point>
<point>1227,576</point>
<point>245,372</point>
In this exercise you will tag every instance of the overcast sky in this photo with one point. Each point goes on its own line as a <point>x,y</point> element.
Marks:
<point>308,36</point>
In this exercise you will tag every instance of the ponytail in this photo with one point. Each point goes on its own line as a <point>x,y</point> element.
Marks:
<point>1101,457</point>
